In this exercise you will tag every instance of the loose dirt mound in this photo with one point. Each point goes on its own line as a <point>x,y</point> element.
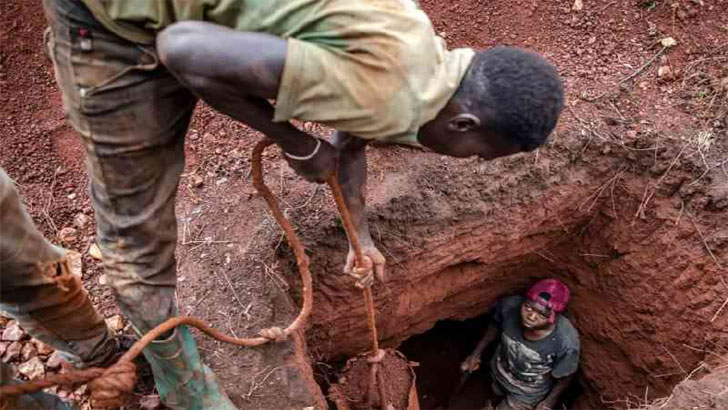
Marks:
<point>355,389</point>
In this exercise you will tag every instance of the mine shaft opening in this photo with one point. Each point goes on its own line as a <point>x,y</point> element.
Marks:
<point>440,383</point>
<point>633,348</point>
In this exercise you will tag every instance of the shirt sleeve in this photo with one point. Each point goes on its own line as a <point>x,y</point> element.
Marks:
<point>566,363</point>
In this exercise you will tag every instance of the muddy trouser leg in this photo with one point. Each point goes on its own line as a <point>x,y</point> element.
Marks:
<point>38,290</point>
<point>133,115</point>
<point>509,401</point>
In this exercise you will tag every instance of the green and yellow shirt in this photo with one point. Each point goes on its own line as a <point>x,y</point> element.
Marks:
<point>373,68</point>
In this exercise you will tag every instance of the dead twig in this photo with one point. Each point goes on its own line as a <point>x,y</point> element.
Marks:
<point>235,294</point>
<point>594,197</point>
<point>725,303</point>
<point>648,196</point>
<point>49,203</point>
<point>205,242</point>
<point>702,238</point>
<point>607,6</point>
<point>192,309</point>
<point>280,283</point>
<point>719,311</point>
<point>256,385</point>
<point>645,65</point>
<point>682,369</point>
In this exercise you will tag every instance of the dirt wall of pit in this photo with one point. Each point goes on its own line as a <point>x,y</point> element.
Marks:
<point>645,286</point>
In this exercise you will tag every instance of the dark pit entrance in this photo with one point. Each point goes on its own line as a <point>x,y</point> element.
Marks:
<point>440,383</point>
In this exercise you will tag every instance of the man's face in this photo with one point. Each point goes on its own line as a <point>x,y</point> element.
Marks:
<point>458,134</point>
<point>467,144</point>
<point>535,316</point>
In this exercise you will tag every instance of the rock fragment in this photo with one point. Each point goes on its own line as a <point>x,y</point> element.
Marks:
<point>54,362</point>
<point>28,352</point>
<point>81,220</point>
<point>116,323</point>
<point>94,251</point>
<point>150,402</point>
<point>32,369</point>
<point>75,263</point>
<point>13,351</point>
<point>13,332</point>
<point>664,72</point>
<point>67,235</point>
<point>42,348</point>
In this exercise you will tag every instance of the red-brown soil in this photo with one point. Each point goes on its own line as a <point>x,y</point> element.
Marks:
<point>627,203</point>
<point>354,386</point>
<point>709,393</point>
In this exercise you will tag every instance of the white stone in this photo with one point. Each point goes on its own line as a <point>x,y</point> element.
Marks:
<point>116,323</point>
<point>54,362</point>
<point>28,352</point>
<point>196,181</point>
<point>81,220</point>
<point>668,42</point>
<point>67,234</point>
<point>32,369</point>
<point>13,332</point>
<point>150,402</point>
<point>94,251</point>
<point>13,352</point>
<point>42,348</point>
<point>75,263</point>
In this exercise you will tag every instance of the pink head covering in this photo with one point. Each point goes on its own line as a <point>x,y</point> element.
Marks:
<point>558,295</point>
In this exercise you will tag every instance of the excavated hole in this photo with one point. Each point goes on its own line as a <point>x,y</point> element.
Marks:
<point>439,353</point>
<point>632,331</point>
<point>440,384</point>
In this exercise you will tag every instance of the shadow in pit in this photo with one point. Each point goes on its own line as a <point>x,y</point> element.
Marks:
<point>440,351</point>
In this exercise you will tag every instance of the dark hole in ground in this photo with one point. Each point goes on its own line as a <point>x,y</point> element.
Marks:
<point>440,351</point>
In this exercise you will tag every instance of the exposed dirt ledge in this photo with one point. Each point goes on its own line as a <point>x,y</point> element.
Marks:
<point>643,287</point>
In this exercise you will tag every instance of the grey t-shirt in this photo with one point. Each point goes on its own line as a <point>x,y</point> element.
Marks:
<point>526,368</point>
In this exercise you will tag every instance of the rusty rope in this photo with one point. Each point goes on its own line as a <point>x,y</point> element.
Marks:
<point>354,238</point>
<point>377,377</point>
<point>110,386</point>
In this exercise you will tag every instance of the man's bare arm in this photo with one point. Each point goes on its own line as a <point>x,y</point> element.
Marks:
<point>352,178</point>
<point>550,401</point>
<point>235,72</point>
<point>472,362</point>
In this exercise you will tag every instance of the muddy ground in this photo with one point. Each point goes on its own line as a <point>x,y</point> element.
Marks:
<point>626,203</point>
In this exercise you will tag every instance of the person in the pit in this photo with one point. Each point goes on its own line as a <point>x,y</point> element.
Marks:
<point>538,350</point>
<point>132,71</point>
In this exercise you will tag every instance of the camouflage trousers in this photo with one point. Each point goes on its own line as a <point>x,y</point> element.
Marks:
<point>38,290</point>
<point>132,116</point>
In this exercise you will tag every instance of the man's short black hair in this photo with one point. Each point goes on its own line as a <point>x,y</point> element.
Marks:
<point>517,93</point>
